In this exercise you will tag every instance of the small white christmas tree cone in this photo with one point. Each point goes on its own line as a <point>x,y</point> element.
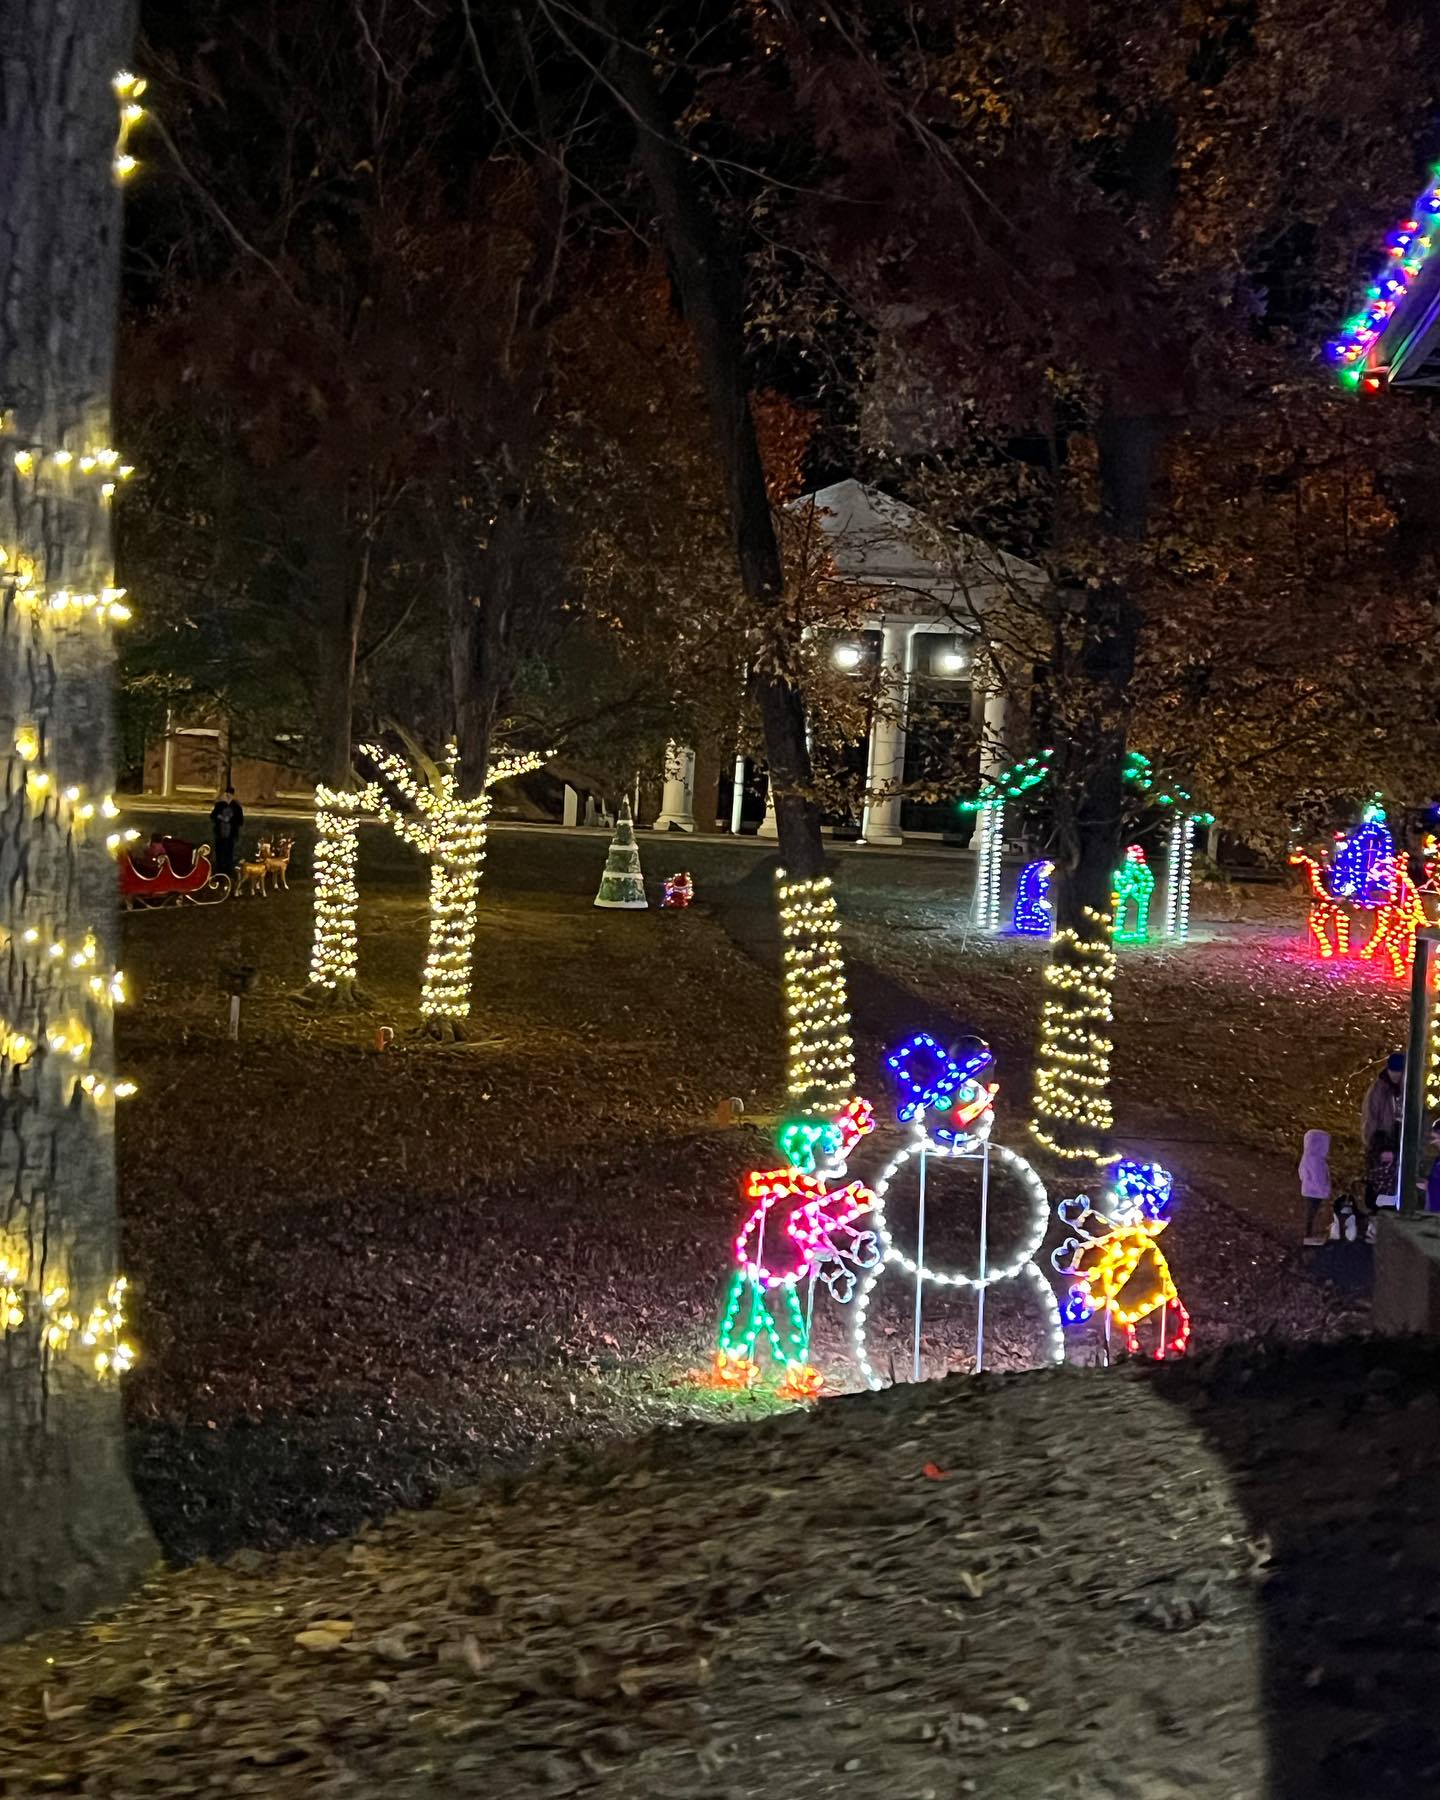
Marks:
<point>623,884</point>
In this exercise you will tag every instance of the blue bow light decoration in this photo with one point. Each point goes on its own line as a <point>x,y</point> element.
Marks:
<point>949,1099</point>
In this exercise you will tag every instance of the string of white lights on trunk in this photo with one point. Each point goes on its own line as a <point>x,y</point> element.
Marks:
<point>1072,1111</point>
<point>449,829</point>
<point>54,976</point>
<point>820,1051</point>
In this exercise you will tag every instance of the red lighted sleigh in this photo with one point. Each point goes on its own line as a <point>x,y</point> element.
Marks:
<point>170,869</point>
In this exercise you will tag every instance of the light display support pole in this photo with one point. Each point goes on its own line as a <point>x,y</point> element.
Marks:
<point>984,1253</point>
<point>1412,1118</point>
<point>919,1261</point>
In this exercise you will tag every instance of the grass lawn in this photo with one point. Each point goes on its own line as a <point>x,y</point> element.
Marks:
<point>364,1275</point>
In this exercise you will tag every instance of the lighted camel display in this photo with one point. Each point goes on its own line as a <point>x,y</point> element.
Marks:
<point>1329,923</point>
<point>1399,917</point>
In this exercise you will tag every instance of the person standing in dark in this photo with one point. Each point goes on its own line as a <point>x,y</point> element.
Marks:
<point>1380,1133</point>
<point>227,816</point>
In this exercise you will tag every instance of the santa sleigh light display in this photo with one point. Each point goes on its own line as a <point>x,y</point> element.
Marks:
<point>170,869</point>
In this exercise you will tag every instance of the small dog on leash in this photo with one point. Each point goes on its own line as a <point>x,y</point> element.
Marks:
<point>1346,1221</point>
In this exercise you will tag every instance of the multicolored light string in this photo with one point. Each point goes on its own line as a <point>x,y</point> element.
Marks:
<point>800,1230</point>
<point>938,1095</point>
<point>1407,250</point>
<point>1117,1266</point>
<point>1357,868</point>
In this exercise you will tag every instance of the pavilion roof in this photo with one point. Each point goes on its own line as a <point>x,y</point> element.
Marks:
<point>916,569</point>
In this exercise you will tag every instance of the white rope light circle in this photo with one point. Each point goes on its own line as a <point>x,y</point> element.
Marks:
<point>1020,1266</point>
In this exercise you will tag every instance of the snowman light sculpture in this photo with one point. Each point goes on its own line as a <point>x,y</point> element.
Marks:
<point>949,1106</point>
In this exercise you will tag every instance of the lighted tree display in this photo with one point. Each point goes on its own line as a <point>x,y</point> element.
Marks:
<point>73,1537</point>
<point>423,803</point>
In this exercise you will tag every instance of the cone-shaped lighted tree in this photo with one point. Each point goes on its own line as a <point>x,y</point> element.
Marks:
<point>451,832</point>
<point>71,1533</point>
<point>623,883</point>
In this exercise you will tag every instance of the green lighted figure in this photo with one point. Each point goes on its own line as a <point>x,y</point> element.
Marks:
<point>1130,888</point>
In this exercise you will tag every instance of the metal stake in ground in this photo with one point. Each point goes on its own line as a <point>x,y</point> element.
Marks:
<point>984,1241</point>
<point>920,1251</point>
<point>1412,1117</point>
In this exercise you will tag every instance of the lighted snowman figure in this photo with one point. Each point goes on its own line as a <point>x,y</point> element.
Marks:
<point>949,1106</point>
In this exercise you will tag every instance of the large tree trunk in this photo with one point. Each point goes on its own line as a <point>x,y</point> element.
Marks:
<point>1092,759</point>
<point>344,576</point>
<point>708,275</point>
<point>72,1536</point>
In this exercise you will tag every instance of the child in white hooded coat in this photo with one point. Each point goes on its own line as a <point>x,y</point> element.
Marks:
<point>1315,1180</point>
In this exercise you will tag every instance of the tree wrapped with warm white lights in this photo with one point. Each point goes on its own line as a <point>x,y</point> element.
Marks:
<point>72,1536</point>
<point>450,830</point>
<point>334,952</point>
<point>1072,1115</point>
<point>820,1051</point>
<point>623,884</point>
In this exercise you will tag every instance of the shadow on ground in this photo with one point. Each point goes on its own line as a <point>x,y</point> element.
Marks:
<point>1332,1452</point>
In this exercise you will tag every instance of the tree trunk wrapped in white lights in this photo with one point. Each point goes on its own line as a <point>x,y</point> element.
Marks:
<point>451,831</point>
<point>1072,1112</point>
<point>820,1052</point>
<point>72,1537</point>
<point>334,954</point>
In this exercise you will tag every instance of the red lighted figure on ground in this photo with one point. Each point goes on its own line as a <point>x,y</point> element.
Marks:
<point>1400,916</point>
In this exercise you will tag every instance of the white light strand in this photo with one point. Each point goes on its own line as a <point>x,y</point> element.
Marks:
<point>990,821</point>
<point>451,831</point>
<point>1187,866</point>
<point>1021,1265</point>
<point>1072,1112</point>
<point>1172,875</point>
<point>128,89</point>
<point>820,1051</point>
<point>334,952</point>
<point>60,982</point>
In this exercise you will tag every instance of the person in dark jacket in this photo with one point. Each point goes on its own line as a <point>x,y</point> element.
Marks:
<point>1380,1133</point>
<point>227,817</point>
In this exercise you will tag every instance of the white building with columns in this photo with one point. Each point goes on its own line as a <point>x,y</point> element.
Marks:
<point>913,582</point>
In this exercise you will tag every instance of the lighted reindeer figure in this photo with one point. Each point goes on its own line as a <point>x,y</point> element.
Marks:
<point>1401,914</point>
<point>1329,922</point>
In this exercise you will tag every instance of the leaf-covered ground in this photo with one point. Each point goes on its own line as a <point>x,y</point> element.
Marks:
<point>363,1276</point>
<point>1209,1582</point>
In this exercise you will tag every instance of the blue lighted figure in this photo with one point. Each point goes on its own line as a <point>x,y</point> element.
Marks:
<point>1034,914</point>
<point>1357,873</point>
<point>950,1100</point>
